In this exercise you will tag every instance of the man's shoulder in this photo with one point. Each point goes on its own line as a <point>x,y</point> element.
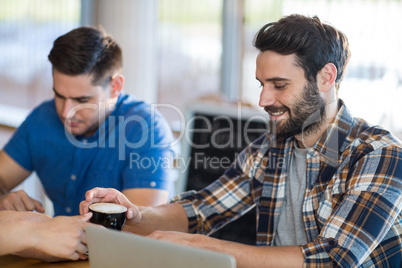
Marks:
<point>139,115</point>
<point>373,137</point>
<point>129,105</point>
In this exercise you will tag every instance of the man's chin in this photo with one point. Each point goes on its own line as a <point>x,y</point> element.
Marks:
<point>277,127</point>
<point>281,130</point>
<point>74,132</point>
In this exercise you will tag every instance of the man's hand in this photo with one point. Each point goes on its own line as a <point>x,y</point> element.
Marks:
<point>140,220</point>
<point>109,195</point>
<point>20,201</point>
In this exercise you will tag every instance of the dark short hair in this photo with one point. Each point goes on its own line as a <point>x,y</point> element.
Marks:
<point>313,42</point>
<point>86,50</point>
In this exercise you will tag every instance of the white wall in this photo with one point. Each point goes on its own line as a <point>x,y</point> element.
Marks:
<point>133,24</point>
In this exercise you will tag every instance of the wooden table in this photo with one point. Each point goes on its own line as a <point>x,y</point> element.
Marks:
<point>11,261</point>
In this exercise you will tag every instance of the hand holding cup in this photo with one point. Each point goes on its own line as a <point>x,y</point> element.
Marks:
<point>109,195</point>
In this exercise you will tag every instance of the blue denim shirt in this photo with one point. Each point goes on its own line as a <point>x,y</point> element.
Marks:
<point>131,149</point>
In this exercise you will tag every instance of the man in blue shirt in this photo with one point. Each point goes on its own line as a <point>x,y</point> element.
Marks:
<point>91,133</point>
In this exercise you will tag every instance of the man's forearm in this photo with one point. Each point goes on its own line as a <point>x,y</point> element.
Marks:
<point>245,255</point>
<point>3,188</point>
<point>169,217</point>
<point>172,217</point>
<point>254,256</point>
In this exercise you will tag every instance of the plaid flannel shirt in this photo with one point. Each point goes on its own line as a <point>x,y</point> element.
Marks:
<point>352,204</point>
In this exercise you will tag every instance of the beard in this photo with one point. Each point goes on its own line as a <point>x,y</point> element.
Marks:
<point>306,114</point>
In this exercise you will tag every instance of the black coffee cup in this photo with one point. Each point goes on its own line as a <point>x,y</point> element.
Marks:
<point>110,215</point>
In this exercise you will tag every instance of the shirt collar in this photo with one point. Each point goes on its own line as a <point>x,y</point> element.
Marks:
<point>334,141</point>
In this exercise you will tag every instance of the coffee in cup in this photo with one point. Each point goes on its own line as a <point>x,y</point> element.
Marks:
<point>110,215</point>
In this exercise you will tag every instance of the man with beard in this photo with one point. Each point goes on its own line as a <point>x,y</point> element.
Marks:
<point>336,198</point>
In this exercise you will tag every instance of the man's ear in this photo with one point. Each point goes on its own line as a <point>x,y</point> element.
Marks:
<point>116,85</point>
<point>326,77</point>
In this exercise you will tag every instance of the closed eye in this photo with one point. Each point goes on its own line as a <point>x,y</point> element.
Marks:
<point>280,86</point>
<point>82,100</point>
<point>58,95</point>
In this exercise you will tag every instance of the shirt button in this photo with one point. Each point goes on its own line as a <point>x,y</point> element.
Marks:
<point>68,209</point>
<point>84,141</point>
<point>332,242</point>
<point>73,177</point>
<point>153,184</point>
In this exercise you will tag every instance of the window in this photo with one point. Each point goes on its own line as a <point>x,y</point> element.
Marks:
<point>189,52</point>
<point>374,76</point>
<point>27,31</point>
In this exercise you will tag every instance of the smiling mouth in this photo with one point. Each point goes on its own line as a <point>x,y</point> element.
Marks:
<point>275,111</point>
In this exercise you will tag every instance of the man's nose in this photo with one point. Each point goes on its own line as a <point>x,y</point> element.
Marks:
<point>68,105</point>
<point>267,97</point>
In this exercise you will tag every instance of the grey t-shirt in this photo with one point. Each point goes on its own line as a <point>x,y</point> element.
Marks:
<point>290,231</point>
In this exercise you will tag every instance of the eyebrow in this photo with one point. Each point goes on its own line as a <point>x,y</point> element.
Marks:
<point>274,79</point>
<point>63,97</point>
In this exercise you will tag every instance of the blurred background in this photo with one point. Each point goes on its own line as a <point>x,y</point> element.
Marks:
<point>179,51</point>
<point>176,51</point>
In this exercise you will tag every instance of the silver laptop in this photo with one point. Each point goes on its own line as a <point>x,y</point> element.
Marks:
<point>111,248</point>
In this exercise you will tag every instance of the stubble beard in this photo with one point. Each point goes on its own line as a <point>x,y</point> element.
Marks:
<point>306,115</point>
